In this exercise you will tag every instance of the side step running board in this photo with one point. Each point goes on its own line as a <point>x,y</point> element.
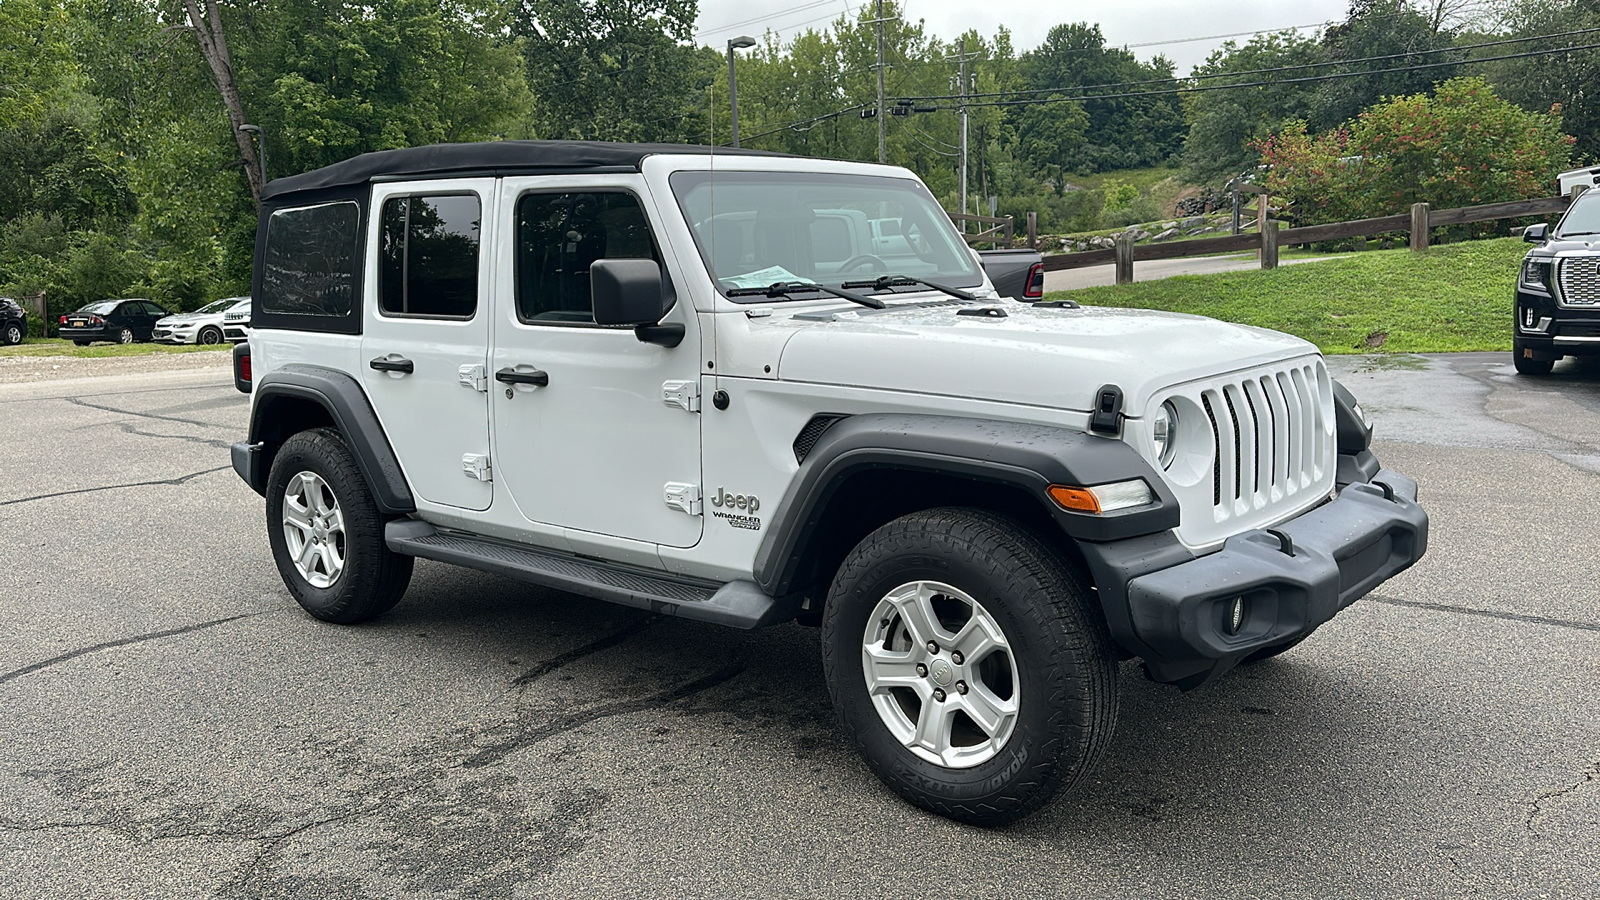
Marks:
<point>738,604</point>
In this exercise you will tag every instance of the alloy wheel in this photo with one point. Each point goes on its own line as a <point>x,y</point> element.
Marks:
<point>941,674</point>
<point>313,529</point>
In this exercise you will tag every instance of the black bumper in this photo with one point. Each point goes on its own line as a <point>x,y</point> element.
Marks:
<point>1555,330</point>
<point>68,333</point>
<point>1171,608</point>
<point>247,462</point>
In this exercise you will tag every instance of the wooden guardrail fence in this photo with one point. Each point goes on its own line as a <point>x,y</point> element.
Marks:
<point>1125,253</point>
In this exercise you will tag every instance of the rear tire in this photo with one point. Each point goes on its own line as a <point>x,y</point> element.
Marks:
<point>81,343</point>
<point>125,336</point>
<point>326,532</point>
<point>1028,715</point>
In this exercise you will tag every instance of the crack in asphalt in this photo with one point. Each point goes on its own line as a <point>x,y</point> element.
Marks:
<point>571,656</point>
<point>1486,613</point>
<point>182,479</point>
<point>123,642</point>
<point>528,737</point>
<point>1537,807</point>
<point>130,428</point>
<point>76,401</point>
<point>197,387</point>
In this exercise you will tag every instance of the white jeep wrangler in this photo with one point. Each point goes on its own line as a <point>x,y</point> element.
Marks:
<point>749,389</point>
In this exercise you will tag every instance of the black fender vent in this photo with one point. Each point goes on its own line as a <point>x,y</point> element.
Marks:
<point>813,432</point>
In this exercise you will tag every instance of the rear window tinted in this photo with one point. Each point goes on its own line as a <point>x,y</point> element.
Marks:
<point>312,259</point>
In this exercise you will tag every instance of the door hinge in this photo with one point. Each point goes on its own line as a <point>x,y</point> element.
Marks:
<point>684,395</point>
<point>474,376</point>
<point>683,497</point>
<point>476,465</point>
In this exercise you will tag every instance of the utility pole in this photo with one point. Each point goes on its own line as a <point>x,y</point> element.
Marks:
<point>883,150</point>
<point>961,52</point>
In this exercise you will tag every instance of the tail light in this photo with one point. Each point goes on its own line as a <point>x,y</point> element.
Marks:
<point>96,320</point>
<point>63,320</point>
<point>242,376</point>
<point>1035,288</point>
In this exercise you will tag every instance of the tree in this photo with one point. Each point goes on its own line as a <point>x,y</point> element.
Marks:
<point>1462,146</point>
<point>1380,28</point>
<point>208,32</point>
<point>1569,80</point>
<point>1224,123</point>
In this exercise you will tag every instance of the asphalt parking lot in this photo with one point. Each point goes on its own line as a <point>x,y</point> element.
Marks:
<point>174,726</point>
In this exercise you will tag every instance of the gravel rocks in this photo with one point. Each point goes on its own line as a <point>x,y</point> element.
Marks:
<point>22,369</point>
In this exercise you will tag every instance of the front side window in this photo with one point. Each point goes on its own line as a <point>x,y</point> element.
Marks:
<point>312,260</point>
<point>560,235</point>
<point>757,228</point>
<point>428,256</point>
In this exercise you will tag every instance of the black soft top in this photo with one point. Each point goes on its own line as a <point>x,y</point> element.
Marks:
<point>490,157</point>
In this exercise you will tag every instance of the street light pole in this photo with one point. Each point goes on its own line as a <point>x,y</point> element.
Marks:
<point>261,148</point>
<point>739,43</point>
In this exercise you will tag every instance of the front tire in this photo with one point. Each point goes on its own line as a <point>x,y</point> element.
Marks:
<point>969,663</point>
<point>13,334</point>
<point>326,532</point>
<point>209,336</point>
<point>1527,366</point>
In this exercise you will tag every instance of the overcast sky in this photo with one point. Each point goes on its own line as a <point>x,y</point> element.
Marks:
<point>1124,22</point>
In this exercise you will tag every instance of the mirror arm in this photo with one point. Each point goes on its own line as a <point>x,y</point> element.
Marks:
<point>667,334</point>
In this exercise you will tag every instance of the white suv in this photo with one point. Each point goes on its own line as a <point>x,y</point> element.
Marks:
<point>704,384</point>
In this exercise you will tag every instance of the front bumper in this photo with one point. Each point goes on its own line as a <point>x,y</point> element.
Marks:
<point>1555,330</point>
<point>1173,607</point>
<point>170,336</point>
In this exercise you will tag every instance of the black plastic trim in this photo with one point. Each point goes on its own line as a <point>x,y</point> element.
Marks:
<point>347,404</point>
<point>1351,434</point>
<point>1024,455</point>
<point>736,604</point>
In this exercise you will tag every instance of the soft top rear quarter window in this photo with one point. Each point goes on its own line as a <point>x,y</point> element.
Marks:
<point>309,264</point>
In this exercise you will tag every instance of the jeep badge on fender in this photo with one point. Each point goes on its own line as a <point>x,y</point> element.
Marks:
<point>740,501</point>
<point>979,563</point>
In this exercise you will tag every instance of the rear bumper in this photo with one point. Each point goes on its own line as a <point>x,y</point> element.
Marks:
<point>69,333</point>
<point>1177,609</point>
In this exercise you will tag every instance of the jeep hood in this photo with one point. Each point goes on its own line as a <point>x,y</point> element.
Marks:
<point>1040,356</point>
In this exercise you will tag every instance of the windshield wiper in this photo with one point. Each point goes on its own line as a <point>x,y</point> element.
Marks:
<point>885,282</point>
<point>1567,234</point>
<point>786,288</point>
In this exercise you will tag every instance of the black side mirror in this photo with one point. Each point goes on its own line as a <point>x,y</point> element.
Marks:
<point>1536,234</point>
<point>632,292</point>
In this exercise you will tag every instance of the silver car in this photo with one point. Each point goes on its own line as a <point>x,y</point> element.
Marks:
<point>203,326</point>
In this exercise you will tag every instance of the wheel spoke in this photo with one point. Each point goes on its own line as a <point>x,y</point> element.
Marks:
<point>312,490</point>
<point>308,553</point>
<point>933,727</point>
<point>332,559</point>
<point>887,669</point>
<point>334,520</point>
<point>986,710</point>
<point>978,637</point>
<point>916,611</point>
<point>296,515</point>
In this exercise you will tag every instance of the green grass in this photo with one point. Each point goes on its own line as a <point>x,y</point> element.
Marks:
<point>59,347</point>
<point>1451,298</point>
<point>1143,179</point>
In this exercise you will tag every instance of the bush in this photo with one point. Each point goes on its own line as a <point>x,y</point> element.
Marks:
<point>1464,146</point>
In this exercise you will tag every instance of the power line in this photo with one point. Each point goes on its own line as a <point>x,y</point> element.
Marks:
<point>774,15</point>
<point>1301,66</point>
<point>1332,76</point>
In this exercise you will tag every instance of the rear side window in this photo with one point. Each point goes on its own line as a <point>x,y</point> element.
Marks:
<point>559,235</point>
<point>428,256</point>
<point>312,260</point>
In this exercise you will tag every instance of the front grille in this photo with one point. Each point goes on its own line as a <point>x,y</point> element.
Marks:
<point>1271,435</point>
<point>1579,279</point>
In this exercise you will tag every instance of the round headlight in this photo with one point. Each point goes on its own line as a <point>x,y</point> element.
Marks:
<point>1165,431</point>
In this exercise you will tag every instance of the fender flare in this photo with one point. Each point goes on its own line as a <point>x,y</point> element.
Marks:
<point>348,406</point>
<point>1018,454</point>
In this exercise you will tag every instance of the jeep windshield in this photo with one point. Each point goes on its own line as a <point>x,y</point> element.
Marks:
<point>756,229</point>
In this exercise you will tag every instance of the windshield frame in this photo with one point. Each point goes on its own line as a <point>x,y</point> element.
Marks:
<point>684,182</point>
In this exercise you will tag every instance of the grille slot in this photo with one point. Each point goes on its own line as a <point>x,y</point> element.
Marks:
<point>813,432</point>
<point>1579,280</point>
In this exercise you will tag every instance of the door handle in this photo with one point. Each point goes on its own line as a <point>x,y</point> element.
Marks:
<point>386,364</point>
<point>512,376</point>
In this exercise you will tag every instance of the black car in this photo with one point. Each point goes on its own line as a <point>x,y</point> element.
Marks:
<point>118,321</point>
<point>1558,290</point>
<point>13,322</point>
